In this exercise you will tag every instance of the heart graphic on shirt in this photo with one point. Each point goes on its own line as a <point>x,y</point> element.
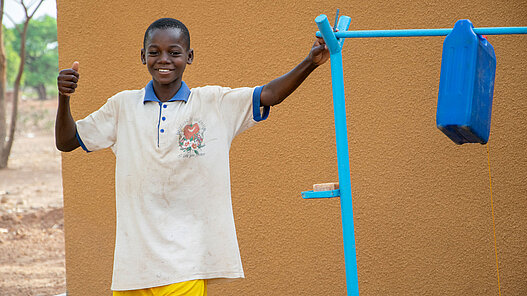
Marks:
<point>190,130</point>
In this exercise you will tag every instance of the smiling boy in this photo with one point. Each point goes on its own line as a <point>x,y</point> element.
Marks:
<point>175,226</point>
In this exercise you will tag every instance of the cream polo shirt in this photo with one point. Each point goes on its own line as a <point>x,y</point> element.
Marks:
<point>172,181</point>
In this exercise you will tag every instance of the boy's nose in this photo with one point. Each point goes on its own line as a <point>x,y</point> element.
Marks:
<point>164,58</point>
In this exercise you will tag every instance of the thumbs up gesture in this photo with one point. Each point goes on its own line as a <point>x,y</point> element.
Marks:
<point>67,80</point>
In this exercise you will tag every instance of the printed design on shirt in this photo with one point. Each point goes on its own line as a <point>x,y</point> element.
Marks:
<point>191,139</point>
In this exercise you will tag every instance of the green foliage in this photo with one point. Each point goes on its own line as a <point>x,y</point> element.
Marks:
<point>41,65</point>
<point>13,60</point>
<point>42,59</point>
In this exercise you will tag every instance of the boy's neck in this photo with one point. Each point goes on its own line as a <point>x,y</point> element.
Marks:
<point>165,92</point>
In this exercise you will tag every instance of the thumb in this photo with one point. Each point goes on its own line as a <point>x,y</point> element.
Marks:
<point>75,66</point>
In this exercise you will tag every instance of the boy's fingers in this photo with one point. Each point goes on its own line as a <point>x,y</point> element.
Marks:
<point>70,77</point>
<point>319,41</point>
<point>68,72</point>
<point>74,78</point>
<point>66,90</point>
<point>68,84</point>
<point>319,46</point>
<point>75,66</point>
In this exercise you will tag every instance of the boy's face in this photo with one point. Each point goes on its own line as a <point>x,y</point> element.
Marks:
<point>166,55</point>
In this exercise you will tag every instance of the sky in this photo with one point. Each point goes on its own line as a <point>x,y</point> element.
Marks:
<point>16,12</point>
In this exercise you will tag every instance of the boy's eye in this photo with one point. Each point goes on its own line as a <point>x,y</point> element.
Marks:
<point>175,53</point>
<point>152,52</point>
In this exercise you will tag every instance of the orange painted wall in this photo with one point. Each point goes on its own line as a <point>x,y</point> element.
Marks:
<point>422,204</point>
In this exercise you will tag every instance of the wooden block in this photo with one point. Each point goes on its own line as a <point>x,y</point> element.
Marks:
<point>325,186</point>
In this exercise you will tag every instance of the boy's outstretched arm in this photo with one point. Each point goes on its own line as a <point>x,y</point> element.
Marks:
<point>65,127</point>
<point>278,89</point>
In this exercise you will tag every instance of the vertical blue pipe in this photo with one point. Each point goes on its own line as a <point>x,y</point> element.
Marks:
<point>341,134</point>
<point>346,205</point>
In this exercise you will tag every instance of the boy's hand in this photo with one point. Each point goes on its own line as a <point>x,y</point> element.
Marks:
<point>319,53</point>
<point>67,80</point>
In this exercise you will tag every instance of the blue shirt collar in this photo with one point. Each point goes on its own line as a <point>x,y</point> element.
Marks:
<point>182,94</point>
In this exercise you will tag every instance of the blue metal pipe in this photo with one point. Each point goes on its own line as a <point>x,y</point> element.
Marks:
<point>423,32</point>
<point>334,41</point>
<point>343,25</point>
<point>341,135</point>
<point>346,205</point>
<point>327,33</point>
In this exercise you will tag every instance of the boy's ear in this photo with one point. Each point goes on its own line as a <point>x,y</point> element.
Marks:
<point>190,57</point>
<point>143,59</point>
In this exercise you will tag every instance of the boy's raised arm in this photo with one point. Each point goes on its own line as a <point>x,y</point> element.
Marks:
<point>65,128</point>
<point>280,88</point>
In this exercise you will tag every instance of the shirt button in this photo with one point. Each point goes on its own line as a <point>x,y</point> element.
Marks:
<point>163,118</point>
<point>164,106</point>
<point>162,130</point>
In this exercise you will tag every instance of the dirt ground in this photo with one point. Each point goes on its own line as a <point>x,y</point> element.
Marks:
<point>31,217</point>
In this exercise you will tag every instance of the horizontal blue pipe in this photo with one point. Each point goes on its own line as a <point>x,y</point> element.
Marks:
<point>321,194</point>
<point>424,32</point>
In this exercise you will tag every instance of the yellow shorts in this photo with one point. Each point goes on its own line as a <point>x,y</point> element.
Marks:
<point>188,288</point>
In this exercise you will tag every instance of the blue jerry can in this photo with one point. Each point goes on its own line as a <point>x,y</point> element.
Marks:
<point>466,85</point>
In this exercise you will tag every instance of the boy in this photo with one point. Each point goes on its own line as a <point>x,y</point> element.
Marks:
<point>175,227</point>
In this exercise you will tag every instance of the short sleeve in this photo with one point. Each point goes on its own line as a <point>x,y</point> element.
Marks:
<point>99,129</point>
<point>240,108</point>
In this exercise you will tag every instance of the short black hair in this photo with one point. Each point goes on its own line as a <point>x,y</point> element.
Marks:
<point>167,23</point>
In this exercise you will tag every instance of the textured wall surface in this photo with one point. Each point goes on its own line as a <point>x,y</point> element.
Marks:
<point>422,208</point>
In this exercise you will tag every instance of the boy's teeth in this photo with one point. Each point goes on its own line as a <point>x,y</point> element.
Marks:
<point>163,70</point>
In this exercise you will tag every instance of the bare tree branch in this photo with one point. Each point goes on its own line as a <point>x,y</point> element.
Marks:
<point>3,121</point>
<point>6,150</point>
<point>36,8</point>
<point>13,21</point>
<point>32,3</point>
<point>25,9</point>
<point>1,12</point>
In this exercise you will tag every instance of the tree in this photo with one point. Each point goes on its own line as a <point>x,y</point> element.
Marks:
<point>2,82</point>
<point>41,54</point>
<point>6,144</point>
<point>41,63</point>
<point>11,39</point>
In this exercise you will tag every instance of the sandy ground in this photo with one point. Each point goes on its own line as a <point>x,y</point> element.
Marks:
<point>31,218</point>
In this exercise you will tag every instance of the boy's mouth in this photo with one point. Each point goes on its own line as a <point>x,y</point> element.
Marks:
<point>164,70</point>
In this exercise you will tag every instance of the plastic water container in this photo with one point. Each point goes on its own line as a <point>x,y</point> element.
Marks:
<point>466,85</point>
